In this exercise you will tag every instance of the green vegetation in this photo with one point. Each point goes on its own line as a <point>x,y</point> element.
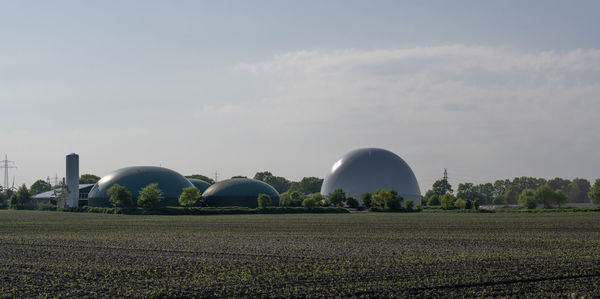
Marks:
<point>149,196</point>
<point>308,185</point>
<point>594,193</point>
<point>264,200</point>
<point>88,178</point>
<point>119,196</point>
<point>39,186</point>
<point>376,255</point>
<point>189,196</point>
<point>309,202</point>
<point>508,191</point>
<point>527,199</point>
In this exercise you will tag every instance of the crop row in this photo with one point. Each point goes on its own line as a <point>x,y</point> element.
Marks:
<point>88,255</point>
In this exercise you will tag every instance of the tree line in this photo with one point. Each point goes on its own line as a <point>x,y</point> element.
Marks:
<point>526,191</point>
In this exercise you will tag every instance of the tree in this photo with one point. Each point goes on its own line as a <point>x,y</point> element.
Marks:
<point>319,198</point>
<point>447,201</point>
<point>466,191</point>
<point>386,199</point>
<point>119,196</point>
<point>441,187</point>
<point>560,197</point>
<point>280,184</point>
<point>394,202</point>
<point>264,200</point>
<point>476,204</point>
<point>578,190</point>
<point>239,177</point>
<point>201,177</point>
<point>485,192</point>
<point>13,200</point>
<point>594,194</point>
<point>460,203</point>
<point>88,179</point>
<point>337,197</point>
<point>309,202</point>
<point>527,199</point>
<point>352,202</point>
<point>544,195</point>
<point>149,196</point>
<point>189,196</point>
<point>410,204</point>
<point>310,185</point>
<point>296,199</point>
<point>284,199</point>
<point>366,199</point>
<point>39,186</point>
<point>500,187</point>
<point>23,196</point>
<point>511,195</point>
<point>498,200</point>
<point>433,200</point>
<point>62,194</point>
<point>527,182</point>
<point>559,184</point>
<point>429,193</point>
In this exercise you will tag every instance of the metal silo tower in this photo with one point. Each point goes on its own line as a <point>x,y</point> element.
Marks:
<point>73,179</point>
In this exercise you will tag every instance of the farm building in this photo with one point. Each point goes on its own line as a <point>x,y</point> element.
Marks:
<point>369,170</point>
<point>135,178</point>
<point>49,197</point>
<point>240,192</point>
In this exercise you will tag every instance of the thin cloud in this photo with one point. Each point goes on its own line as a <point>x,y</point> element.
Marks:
<point>457,98</point>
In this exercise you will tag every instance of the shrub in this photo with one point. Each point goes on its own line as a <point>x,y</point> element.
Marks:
<point>352,202</point>
<point>318,198</point>
<point>460,203</point>
<point>447,201</point>
<point>264,200</point>
<point>309,202</point>
<point>410,205</point>
<point>433,200</point>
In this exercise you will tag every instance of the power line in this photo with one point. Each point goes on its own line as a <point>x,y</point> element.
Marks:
<point>6,167</point>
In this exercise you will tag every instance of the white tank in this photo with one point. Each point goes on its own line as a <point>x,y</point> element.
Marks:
<point>73,179</point>
<point>371,169</point>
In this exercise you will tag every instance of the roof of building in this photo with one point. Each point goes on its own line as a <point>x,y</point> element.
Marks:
<point>135,178</point>
<point>241,187</point>
<point>52,193</point>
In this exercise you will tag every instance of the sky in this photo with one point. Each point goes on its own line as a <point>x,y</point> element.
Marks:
<point>487,89</point>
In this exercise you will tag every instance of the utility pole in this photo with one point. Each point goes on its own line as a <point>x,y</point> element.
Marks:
<point>216,176</point>
<point>54,179</point>
<point>6,165</point>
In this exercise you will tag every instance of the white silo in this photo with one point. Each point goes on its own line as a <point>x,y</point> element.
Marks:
<point>73,179</point>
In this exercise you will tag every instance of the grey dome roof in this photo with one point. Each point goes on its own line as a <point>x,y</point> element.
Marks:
<point>200,184</point>
<point>135,178</point>
<point>238,192</point>
<point>371,169</point>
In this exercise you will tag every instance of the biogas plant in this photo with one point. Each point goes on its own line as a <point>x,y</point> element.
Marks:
<point>357,172</point>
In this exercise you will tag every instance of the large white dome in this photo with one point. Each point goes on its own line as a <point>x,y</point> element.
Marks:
<point>371,169</point>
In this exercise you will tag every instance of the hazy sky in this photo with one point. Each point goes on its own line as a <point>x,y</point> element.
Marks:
<point>487,89</point>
